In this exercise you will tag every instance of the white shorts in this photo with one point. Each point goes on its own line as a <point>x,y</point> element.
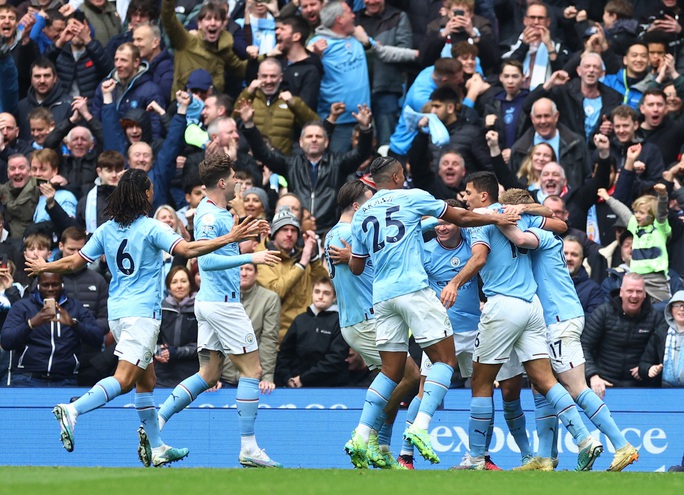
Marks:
<point>361,337</point>
<point>136,339</point>
<point>224,327</point>
<point>509,325</point>
<point>565,347</point>
<point>465,344</point>
<point>419,311</point>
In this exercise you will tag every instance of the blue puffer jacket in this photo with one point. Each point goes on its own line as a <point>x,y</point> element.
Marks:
<point>139,93</point>
<point>161,68</point>
<point>50,349</point>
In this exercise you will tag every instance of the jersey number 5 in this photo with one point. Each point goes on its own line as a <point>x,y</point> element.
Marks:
<point>389,222</point>
<point>124,261</point>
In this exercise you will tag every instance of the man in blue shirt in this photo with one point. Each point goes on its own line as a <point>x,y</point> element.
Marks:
<point>357,316</point>
<point>132,244</point>
<point>564,318</point>
<point>223,326</point>
<point>512,325</point>
<point>387,230</point>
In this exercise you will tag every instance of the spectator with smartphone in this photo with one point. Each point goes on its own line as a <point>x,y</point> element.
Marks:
<point>45,331</point>
<point>45,170</point>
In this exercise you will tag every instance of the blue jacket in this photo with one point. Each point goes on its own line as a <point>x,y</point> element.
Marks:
<point>588,291</point>
<point>632,95</point>
<point>161,68</point>
<point>139,93</point>
<point>49,349</point>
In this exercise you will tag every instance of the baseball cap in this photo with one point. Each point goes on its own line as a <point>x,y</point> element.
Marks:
<point>200,79</point>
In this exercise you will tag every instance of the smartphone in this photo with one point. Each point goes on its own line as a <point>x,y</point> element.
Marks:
<point>41,181</point>
<point>79,16</point>
<point>3,261</point>
<point>458,12</point>
<point>50,304</point>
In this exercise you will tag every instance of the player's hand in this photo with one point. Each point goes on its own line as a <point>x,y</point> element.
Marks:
<point>655,370</point>
<point>449,295</point>
<point>515,209</point>
<point>598,385</point>
<point>249,227</point>
<point>35,266</point>
<point>506,218</point>
<point>340,255</point>
<point>269,258</point>
<point>266,387</point>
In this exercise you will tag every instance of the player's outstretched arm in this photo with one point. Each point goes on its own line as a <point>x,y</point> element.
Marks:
<point>249,227</point>
<point>519,238</point>
<point>465,218</point>
<point>555,225</point>
<point>69,264</point>
<point>531,209</point>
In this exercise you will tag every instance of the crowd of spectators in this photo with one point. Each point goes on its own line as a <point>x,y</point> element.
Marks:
<point>579,102</point>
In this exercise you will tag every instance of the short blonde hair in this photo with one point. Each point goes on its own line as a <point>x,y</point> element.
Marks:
<point>650,202</point>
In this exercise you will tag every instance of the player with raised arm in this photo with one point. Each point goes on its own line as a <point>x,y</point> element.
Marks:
<point>564,319</point>
<point>387,230</point>
<point>357,317</point>
<point>512,322</point>
<point>224,329</point>
<point>132,244</point>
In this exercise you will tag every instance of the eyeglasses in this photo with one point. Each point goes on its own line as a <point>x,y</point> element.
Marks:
<point>678,305</point>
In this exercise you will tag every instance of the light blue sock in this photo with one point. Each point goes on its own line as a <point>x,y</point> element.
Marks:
<point>515,419</point>
<point>599,414</point>
<point>147,412</point>
<point>385,434</point>
<point>412,411</point>
<point>380,421</point>
<point>101,393</point>
<point>435,388</point>
<point>184,393</point>
<point>376,399</point>
<point>547,425</point>
<point>247,399</point>
<point>565,407</point>
<point>490,431</point>
<point>481,414</point>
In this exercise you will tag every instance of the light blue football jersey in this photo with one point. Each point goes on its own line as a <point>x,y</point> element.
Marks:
<point>387,228</point>
<point>354,293</point>
<point>442,264</point>
<point>134,258</point>
<point>508,270</point>
<point>211,222</point>
<point>556,290</point>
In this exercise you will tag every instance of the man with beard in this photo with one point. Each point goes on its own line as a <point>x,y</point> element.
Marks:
<point>46,92</point>
<point>277,113</point>
<point>309,10</point>
<point>588,291</point>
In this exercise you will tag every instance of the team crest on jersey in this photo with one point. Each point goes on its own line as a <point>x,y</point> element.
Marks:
<point>455,261</point>
<point>249,338</point>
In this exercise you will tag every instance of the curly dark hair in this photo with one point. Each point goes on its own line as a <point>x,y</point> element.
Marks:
<point>129,199</point>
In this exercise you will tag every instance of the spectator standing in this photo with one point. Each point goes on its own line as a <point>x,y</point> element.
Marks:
<point>147,38</point>
<point>345,76</point>
<point>103,17</point>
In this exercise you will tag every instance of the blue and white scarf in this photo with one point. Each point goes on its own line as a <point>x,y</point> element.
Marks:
<point>673,360</point>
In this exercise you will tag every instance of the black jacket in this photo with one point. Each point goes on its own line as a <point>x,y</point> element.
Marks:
<point>333,169</point>
<point>92,66</point>
<point>667,137</point>
<point>569,100</point>
<point>178,331</point>
<point>49,349</point>
<point>614,342</point>
<point>57,101</point>
<point>314,350</point>
<point>423,170</point>
<point>588,291</point>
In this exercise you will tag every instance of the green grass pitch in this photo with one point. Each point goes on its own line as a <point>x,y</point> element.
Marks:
<point>108,481</point>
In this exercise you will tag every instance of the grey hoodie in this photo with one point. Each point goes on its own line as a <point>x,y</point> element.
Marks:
<point>678,297</point>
